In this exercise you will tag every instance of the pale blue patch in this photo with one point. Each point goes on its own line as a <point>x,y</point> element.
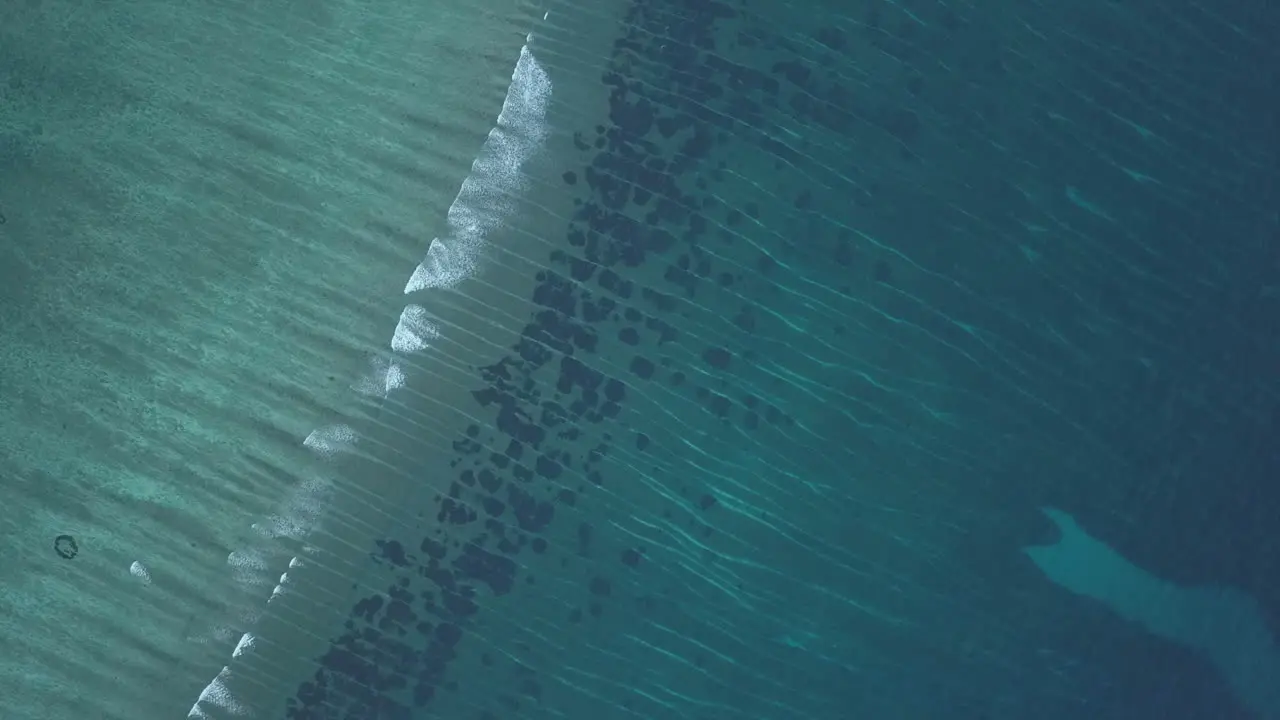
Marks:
<point>1223,623</point>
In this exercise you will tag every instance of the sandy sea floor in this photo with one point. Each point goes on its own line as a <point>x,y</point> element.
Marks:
<point>211,211</point>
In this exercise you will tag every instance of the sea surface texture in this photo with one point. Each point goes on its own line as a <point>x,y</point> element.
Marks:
<point>640,360</point>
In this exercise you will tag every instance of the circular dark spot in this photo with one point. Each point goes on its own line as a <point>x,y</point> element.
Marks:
<point>570,178</point>
<point>706,502</point>
<point>642,367</point>
<point>493,507</point>
<point>600,586</point>
<point>393,552</point>
<point>630,557</point>
<point>448,634</point>
<point>66,546</point>
<point>615,391</point>
<point>539,545</point>
<point>717,357</point>
<point>370,606</point>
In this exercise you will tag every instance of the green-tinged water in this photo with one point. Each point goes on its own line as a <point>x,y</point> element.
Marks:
<point>664,359</point>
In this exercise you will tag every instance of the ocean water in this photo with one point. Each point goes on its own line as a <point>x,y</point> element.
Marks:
<point>680,359</point>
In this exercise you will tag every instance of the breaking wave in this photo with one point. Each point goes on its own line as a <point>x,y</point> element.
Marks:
<point>483,204</point>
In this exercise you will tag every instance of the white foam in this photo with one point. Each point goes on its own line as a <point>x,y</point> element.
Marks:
<point>247,641</point>
<point>281,587</point>
<point>301,514</point>
<point>248,567</point>
<point>415,331</point>
<point>384,376</point>
<point>282,526</point>
<point>442,267</point>
<point>484,202</point>
<point>395,378</point>
<point>248,561</point>
<point>140,571</point>
<point>217,695</point>
<point>331,439</point>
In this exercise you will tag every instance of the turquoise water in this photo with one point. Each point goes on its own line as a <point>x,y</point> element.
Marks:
<point>848,296</point>
<point>817,362</point>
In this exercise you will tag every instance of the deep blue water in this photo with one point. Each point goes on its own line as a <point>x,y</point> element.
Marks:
<point>852,294</point>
